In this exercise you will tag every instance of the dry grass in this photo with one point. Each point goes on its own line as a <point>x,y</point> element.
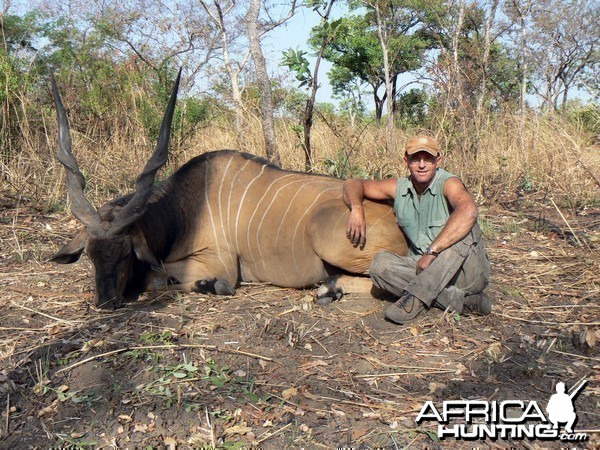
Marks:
<point>549,156</point>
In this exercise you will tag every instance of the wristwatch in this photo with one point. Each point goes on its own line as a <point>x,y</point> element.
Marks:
<point>429,251</point>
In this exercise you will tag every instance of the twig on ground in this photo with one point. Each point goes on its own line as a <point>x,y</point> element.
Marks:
<point>568,225</point>
<point>545,322</point>
<point>166,346</point>
<point>57,319</point>
<point>270,435</point>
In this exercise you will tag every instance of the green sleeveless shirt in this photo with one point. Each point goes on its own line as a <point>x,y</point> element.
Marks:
<point>422,219</point>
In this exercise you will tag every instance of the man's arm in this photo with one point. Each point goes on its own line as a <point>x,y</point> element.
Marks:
<point>460,222</point>
<point>355,191</point>
<point>464,215</point>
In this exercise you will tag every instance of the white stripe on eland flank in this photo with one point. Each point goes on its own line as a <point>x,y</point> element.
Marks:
<point>233,179</point>
<point>283,218</point>
<point>237,240</point>
<point>300,220</point>
<point>214,229</point>
<point>262,259</point>
<point>258,243</point>
<point>227,241</point>
<point>380,219</point>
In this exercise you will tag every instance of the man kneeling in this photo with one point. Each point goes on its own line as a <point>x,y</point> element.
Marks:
<point>447,266</point>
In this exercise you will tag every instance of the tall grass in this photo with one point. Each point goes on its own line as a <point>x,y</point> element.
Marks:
<point>550,155</point>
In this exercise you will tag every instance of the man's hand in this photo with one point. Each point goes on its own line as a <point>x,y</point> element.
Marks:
<point>354,192</point>
<point>356,229</point>
<point>424,262</point>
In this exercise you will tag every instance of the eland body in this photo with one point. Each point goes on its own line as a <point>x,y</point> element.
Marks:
<point>222,218</point>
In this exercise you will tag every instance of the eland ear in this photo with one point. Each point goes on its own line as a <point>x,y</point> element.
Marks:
<point>141,248</point>
<point>72,250</point>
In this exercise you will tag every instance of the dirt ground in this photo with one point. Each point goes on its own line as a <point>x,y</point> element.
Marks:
<point>268,368</point>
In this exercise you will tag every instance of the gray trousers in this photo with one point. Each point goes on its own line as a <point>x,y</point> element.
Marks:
<point>458,271</point>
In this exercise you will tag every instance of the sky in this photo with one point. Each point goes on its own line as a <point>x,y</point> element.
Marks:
<point>294,35</point>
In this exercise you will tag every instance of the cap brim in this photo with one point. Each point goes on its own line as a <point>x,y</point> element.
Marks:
<point>422,149</point>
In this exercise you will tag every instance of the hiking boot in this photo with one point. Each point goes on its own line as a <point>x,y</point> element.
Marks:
<point>477,304</point>
<point>405,309</point>
<point>451,299</point>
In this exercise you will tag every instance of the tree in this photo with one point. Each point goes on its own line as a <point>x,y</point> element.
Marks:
<point>563,45</point>
<point>357,46</point>
<point>297,61</point>
<point>381,19</point>
<point>229,32</point>
<point>349,89</point>
<point>262,77</point>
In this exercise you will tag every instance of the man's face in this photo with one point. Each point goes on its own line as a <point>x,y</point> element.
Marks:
<point>422,166</point>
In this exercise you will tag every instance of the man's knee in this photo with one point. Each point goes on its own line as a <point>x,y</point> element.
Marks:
<point>381,261</point>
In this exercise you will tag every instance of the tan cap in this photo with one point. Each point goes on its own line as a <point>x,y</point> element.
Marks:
<point>422,143</point>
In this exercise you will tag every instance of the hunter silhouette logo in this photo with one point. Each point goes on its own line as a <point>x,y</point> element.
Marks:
<point>507,419</point>
<point>560,407</point>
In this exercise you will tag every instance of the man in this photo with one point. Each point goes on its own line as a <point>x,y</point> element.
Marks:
<point>560,408</point>
<point>447,266</point>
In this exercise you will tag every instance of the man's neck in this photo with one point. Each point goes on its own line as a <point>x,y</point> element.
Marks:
<point>420,187</point>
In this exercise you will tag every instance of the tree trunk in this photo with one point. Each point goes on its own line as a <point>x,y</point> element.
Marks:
<point>378,106</point>
<point>218,17</point>
<point>486,56</point>
<point>381,31</point>
<point>457,97</point>
<point>310,104</point>
<point>264,83</point>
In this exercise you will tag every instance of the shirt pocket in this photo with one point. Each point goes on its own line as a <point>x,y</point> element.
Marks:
<point>435,227</point>
<point>410,229</point>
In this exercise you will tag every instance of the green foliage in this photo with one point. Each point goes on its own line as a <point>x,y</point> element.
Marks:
<point>355,50</point>
<point>584,115</point>
<point>294,103</point>
<point>341,166</point>
<point>9,77</point>
<point>411,108</point>
<point>297,62</point>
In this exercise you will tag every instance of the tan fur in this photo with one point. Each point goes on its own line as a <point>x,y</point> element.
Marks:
<point>279,226</point>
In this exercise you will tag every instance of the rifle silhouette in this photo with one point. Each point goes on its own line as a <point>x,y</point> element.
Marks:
<point>576,390</point>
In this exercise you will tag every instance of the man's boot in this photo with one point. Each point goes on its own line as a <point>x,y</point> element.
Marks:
<point>451,299</point>
<point>478,304</point>
<point>406,308</point>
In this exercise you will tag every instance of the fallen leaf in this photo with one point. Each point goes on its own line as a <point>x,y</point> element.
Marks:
<point>433,386</point>
<point>315,363</point>
<point>237,429</point>
<point>170,442</point>
<point>51,409</point>
<point>289,393</point>
<point>140,427</point>
<point>125,418</point>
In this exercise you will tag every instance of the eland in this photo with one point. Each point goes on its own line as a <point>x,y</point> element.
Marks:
<point>222,218</point>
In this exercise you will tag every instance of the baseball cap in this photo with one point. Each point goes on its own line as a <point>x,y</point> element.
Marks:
<point>422,143</point>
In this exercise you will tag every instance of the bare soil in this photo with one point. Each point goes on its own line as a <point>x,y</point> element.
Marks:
<point>269,368</point>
